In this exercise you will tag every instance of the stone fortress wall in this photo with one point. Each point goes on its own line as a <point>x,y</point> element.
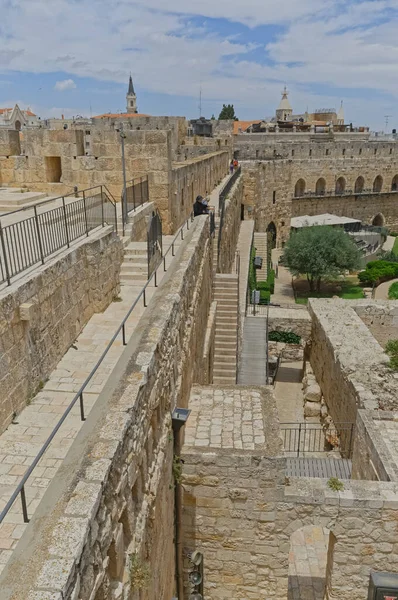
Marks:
<point>273,165</point>
<point>114,501</point>
<point>55,161</point>
<point>43,313</point>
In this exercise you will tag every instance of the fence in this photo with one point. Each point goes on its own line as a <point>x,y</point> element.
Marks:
<point>31,240</point>
<point>154,242</point>
<point>308,438</point>
<point>221,204</point>
<point>137,192</point>
<point>79,396</point>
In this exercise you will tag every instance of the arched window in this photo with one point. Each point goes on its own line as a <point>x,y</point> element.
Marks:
<point>299,189</point>
<point>359,185</point>
<point>340,185</point>
<point>394,184</point>
<point>18,125</point>
<point>378,184</point>
<point>379,220</point>
<point>320,187</point>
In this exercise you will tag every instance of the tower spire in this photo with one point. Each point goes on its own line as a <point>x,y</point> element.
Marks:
<point>131,87</point>
<point>131,98</point>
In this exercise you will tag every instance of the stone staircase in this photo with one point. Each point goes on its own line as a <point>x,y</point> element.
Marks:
<point>134,268</point>
<point>260,244</point>
<point>226,337</point>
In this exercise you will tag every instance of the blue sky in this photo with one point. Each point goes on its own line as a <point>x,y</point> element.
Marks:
<point>74,56</point>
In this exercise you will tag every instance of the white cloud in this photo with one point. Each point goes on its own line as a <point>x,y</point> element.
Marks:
<point>66,84</point>
<point>319,46</point>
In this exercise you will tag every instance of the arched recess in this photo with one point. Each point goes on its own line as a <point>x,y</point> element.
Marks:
<point>299,189</point>
<point>379,220</point>
<point>359,185</point>
<point>394,184</point>
<point>310,562</point>
<point>271,230</point>
<point>18,125</point>
<point>320,187</point>
<point>340,185</point>
<point>378,184</point>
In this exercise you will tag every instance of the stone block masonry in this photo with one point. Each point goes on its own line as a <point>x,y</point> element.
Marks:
<point>231,228</point>
<point>106,526</point>
<point>42,314</point>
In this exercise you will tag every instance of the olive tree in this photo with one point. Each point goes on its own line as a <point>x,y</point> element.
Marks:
<point>321,253</point>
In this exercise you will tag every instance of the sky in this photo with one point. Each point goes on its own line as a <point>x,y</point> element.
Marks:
<point>74,57</point>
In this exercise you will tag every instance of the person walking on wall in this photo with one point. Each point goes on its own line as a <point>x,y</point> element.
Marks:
<point>231,167</point>
<point>236,164</point>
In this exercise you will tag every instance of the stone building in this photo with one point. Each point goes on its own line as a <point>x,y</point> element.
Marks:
<point>284,111</point>
<point>16,118</point>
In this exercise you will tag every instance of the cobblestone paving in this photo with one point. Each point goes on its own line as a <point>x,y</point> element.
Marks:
<point>225,418</point>
<point>307,563</point>
<point>23,439</point>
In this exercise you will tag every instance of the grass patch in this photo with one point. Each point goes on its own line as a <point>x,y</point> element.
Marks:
<point>348,289</point>
<point>395,247</point>
<point>393,291</point>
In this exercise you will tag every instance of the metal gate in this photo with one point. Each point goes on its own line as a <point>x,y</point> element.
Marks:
<point>154,242</point>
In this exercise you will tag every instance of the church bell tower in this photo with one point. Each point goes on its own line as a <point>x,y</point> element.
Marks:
<point>131,98</point>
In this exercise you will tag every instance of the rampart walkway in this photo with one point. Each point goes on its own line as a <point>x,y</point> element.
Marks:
<point>23,439</point>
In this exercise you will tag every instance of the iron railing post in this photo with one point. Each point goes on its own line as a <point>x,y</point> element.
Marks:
<point>24,506</point>
<point>299,441</point>
<point>66,222</point>
<point>102,207</point>
<point>82,416</point>
<point>39,241</point>
<point>133,186</point>
<point>85,212</point>
<point>3,246</point>
<point>142,197</point>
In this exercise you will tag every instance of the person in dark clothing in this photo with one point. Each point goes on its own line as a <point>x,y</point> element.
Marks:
<point>200,207</point>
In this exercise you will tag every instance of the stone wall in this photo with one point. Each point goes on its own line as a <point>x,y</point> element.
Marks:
<point>231,228</point>
<point>9,144</point>
<point>138,222</point>
<point>348,362</point>
<point>274,165</point>
<point>290,319</point>
<point>42,314</point>
<point>240,513</point>
<point>109,516</point>
<point>206,373</point>
<point>381,318</point>
<point>188,180</point>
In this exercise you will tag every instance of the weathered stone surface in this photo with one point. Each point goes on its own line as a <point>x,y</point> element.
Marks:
<point>313,393</point>
<point>312,409</point>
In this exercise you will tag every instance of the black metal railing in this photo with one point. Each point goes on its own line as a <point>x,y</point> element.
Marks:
<point>137,192</point>
<point>31,240</point>
<point>221,204</point>
<point>212,222</point>
<point>79,396</point>
<point>308,438</point>
<point>154,242</point>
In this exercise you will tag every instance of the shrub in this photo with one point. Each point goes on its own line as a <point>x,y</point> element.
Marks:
<point>265,297</point>
<point>392,351</point>
<point>287,337</point>
<point>335,484</point>
<point>393,291</point>
<point>252,271</point>
<point>378,271</point>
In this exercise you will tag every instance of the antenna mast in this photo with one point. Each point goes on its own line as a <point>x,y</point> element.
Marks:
<point>386,118</point>
<point>200,101</point>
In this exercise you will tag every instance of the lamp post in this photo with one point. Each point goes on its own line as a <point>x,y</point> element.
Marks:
<point>124,203</point>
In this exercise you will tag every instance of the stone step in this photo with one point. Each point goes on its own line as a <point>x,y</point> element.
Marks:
<point>228,361</point>
<point>232,321</point>
<point>224,380</point>
<point>133,268</point>
<point>136,258</point>
<point>133,276</point>
<point>224,349</point>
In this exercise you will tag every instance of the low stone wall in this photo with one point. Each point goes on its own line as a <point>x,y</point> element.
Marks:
<point>138,222</point>
<point>231,227</point>
<point>240,513</point>
<point>295,320</point>
<point>107,523</point>
<point>42,314</point>
<point>348,362</point>
<point>380,317</point>
<point>206,374</point>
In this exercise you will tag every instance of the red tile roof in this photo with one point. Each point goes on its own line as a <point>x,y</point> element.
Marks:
<point>26,112</point>
<point>243,125</point>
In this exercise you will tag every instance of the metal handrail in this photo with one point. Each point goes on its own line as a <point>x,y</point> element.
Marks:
<point>20,489</point>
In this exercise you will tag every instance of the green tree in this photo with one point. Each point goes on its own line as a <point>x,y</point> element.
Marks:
<point>228,113</point>
<point>321,253</point>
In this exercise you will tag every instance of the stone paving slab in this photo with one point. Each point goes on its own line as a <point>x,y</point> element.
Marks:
<point>24,438</point>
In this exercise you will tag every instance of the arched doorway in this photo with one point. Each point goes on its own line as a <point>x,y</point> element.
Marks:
<point>310,562</point>
<point>271,230</point>
<point>340,186</point>
<point>320,187</point>
<point>359,185</point>
<point>394,184</point>
<point>18,125</point>
<point>379,220</point>
<point>378,184</point>
<point>299,189</point>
